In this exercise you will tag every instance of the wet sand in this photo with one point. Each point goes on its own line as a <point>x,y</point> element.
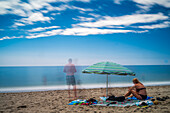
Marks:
<point>56,101</point>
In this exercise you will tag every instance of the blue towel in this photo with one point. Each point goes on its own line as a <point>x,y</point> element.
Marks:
<point>134,98</point>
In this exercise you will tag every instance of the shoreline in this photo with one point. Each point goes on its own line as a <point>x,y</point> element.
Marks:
<point>57,101</point>
<point>87,86</point>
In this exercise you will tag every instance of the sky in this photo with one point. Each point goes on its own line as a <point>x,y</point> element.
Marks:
<point>49,32</point>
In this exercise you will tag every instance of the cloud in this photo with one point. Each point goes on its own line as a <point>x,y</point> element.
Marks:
<point>91,31</point>
<point>64,7</point>
<point>11,7</point>
<point>144,8</point>
<point>18,24</point>
<point>45,34</point>
<point>30,12</point>
<point>43,28</point>
<point>124,20</point>
<point>55,14</point>
<point>73,0</point>
<point>83,0</point>
<point>34,17</point>
<point>165,3</point>
<point>7,37</point>
<point>146,5</point>
<point>44,11</point>
<point>94,15</point>
<point>81,9</point>
<point>117,1</point>
<point>142,31</point>
<point>80,18</point>
<point>23,9</point>
<point>77,32</point>
<point>161,25</point>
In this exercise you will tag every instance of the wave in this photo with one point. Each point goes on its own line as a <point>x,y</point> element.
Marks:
<point>82,86</point>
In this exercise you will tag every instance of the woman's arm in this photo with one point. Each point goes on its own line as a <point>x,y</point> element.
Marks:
<point>132,87</point>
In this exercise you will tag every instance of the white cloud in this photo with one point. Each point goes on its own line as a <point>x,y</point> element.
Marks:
<point>112,26</point>
<point>34,17</point>
<point>83,0</point>
<point>142,31</point>
<point>124,20</point>
<point>144,8</point>
<point>77,31</point>
<point>161,25</point>
<point>117,1</point>
<point>43,28</point>
<point>165,3</point>
<point>18,24</point>
<point>55,14</point>
<point>59,8</point>
<point>30,11</point>
<point>91,31</point>
<point>23,9</point>
<point>38,4</point>
<point>145,5</point>
<point>45,34</point>
<point>80,18</point>
<point>94,15</point>
<point>11,7</point>
<point>64,7</point>
<point>73,0</point>
<point>7,37</point>
<point>81,9</point>
<point>44,11</point>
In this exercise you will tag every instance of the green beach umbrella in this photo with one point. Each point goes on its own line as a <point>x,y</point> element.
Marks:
<point>108,68</point>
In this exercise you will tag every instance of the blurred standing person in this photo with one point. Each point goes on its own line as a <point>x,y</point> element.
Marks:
<point>70,69</point>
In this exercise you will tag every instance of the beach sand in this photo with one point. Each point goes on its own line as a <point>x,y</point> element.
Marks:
<point>56,101</point>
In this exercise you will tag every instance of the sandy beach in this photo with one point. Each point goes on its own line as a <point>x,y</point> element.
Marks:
<point>56,101</point>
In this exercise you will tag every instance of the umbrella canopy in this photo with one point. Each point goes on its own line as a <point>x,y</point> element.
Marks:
<point>108,68</point>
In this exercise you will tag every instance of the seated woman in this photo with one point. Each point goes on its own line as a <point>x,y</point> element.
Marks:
<point>140,92</point>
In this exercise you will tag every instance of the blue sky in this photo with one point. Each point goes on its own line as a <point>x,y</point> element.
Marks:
<point>49,32</point>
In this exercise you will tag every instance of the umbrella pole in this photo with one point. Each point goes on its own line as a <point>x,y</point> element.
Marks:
<point>107,86</point>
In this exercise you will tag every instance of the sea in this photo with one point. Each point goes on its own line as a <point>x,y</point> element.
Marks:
<point>45,78</point>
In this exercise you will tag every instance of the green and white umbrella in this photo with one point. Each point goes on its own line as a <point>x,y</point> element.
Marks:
<point>108,68</point>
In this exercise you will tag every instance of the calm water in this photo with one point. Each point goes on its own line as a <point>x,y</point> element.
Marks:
<point>11,77</point>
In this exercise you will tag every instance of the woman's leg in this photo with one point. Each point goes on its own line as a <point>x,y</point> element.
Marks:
<point>134,94</point>
<point>128,93</point>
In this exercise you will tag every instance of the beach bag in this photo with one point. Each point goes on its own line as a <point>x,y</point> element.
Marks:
<point>120,98</point>
<point>113,98</point>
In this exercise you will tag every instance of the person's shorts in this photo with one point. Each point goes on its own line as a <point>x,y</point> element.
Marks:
<point>70,80</point>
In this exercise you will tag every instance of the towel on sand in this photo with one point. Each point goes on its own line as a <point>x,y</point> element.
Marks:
<point>125,103</point>
<point>134,98</point>
<point>82,102</point>
<point>128,102</point>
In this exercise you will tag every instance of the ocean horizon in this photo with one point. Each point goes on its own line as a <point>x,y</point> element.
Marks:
<point>44,78</point>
